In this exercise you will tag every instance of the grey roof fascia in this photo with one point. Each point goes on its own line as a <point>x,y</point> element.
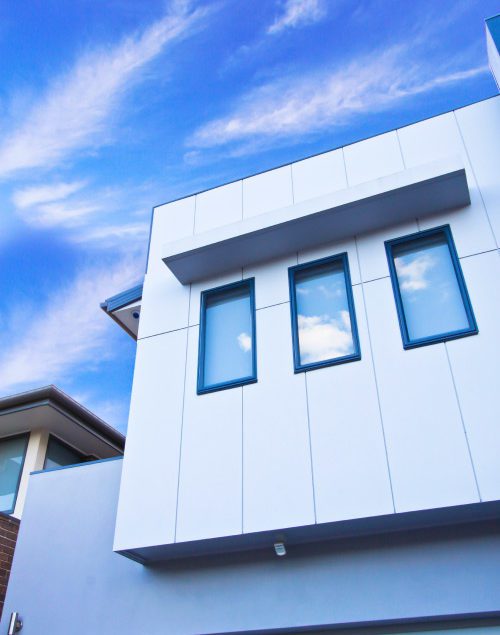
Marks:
<point>53,396</point>
<point>122,299</point>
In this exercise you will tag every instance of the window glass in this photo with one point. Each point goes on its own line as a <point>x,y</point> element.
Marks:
<point>432,299</point>
<point>59,455</point>
<point>12,453</point>
<point>227,331</point>
<point>323,313</point>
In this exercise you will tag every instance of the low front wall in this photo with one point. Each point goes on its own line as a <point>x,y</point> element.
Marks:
<point>67,579</point>
<point>9,528</point>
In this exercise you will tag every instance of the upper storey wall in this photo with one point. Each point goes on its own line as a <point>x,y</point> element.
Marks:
<point>396,431</point>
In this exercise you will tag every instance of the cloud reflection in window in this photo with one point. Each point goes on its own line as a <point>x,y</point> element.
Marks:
<point>322,337</point>
<point>245,342</point>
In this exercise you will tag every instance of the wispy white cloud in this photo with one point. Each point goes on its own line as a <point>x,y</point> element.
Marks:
<point>296,13</point>
<point>68,333</point>
<point>61,204</point>
<point>39,194</point>
<point>288,108</point>
<point>70,214</point>
<point>101,216</point>
<point>109,235</point>
<point>76,110</point>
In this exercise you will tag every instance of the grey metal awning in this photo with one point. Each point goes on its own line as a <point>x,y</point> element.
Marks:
<point>419,191</point>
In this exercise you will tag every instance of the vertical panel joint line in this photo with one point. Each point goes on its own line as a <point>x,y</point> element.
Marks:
<point>475,179</point>
<point>400,148</point>
<point>182,418</point>
<point>242,458</point>
<point>310,449</point>
<point>376,382</point>
<point>242,201</point>
<point>345,167</point>
<point>462,420</point>
<point>194,215</point>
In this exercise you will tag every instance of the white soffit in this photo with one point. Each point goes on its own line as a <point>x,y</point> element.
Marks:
<point>126,316</point>
<point>419,191</point>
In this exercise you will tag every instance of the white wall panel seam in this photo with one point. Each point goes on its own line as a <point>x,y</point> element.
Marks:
<point>182,426</point>
<point>242,411</point>
<point>345,167</point>
<point>242,211</point>
<point>269,306</point>
<point>404,164</point>
<point>310,449</point>
<point>463,421</point>
<point>475,178</point>
<point>376,381</point>
<point>194,215</point>
<point>182,328</point>
<point>243,415</point>
<point>479,253</point>
<point>243,454</point>
<point>400,148</point>
<point>371,279</point>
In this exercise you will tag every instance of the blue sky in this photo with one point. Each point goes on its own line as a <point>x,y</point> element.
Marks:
<point>108,108</point>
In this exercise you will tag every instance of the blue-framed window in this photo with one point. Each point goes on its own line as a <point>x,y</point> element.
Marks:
<point>12,455</point>
<point>59,454</point>
<point>227,347</point>
<point>429,288</point>
<point>324,328</point>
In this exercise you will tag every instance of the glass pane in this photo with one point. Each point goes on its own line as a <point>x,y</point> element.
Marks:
<point>11,461</point>
<point>430,293</point>
<point>228,336</point>
<point>59,455</point>
<point>323,318</point>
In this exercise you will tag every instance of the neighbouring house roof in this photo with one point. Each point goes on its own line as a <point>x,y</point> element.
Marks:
<point>52,409</point>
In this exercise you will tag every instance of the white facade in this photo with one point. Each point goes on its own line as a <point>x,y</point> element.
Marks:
<point>397,431</point>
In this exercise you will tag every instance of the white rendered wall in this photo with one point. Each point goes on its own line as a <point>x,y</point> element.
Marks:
<point>34,460</point>
<point>396,431</point>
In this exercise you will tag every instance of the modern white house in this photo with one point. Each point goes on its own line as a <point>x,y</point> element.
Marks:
<point>314,432</point>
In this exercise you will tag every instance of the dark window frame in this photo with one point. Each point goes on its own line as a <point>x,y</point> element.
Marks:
<point>26,435</point>
<point>241,381</point>
<point>472,329</point>
<point>66,445</point>
<point>356,356</point>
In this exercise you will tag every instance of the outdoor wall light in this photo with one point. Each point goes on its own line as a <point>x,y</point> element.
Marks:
<point>15,624</point>
<point>280,549</point>
<point>135,315</point>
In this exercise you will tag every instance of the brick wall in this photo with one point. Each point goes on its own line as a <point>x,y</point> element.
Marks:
<point>9,528</point>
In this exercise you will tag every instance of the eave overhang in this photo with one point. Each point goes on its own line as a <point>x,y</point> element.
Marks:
<point>414,192</point>
<point>331,532</point>
<point>51,409</point>
<point>125,308</point>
